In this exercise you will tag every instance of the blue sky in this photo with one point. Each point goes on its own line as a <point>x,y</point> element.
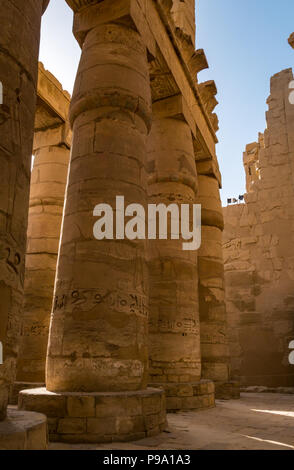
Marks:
<point>245,43</point>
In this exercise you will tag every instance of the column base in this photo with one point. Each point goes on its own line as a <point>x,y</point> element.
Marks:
<point>227,390</point>
<point>23,430</point>
<point>98,417</point>
<point>18,387</point>
<point>188,396</point>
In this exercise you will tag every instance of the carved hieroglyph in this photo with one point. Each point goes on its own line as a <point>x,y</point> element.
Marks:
<point>98,338</point>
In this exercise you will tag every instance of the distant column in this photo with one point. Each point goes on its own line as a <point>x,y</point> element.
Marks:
<point>213,317</point>
<point>48,182</point>
<point>174,329</point>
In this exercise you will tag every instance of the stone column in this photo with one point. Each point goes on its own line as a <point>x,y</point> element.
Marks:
<point>97,355</point>
<point>174,330</point>
<point>48,181</point>
<point>213,318</point>
<point>19,47</point>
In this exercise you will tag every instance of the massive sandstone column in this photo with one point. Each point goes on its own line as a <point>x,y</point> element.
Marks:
<point>97,354</point>
<point>49,176</point>
<point>19,46</point>
<point>213,317</point>
<point>174,330</point>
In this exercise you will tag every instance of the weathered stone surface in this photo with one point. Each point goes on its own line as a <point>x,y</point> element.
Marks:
<point>98,338</point>
<point>174,336</point>
<point>188,396</point>
<point>19,46</point>
<point>48,180</point>
<point>23,431</point>
<point>212,308</point>
<point>134,54</point>
<point>98,417</point>
<point>258,251</point>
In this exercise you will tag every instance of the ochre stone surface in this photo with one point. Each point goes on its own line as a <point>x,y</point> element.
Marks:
<point>23,431</point>
<point>188,396</point>
<point>98,337</point>
<point>98,417</point>
<point>143,128</point>
<point>259,253</point>
<point>19,47</point>
<point>183,14</point>
<point>174,329</point>
<point>174,340</point>
<point>263,422</point>
<point>213,321</point>
<point>48,180</point>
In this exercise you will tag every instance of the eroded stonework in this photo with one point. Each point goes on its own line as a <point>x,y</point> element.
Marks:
<point>137,327</point>
<point>51,149</point>
<point>258,251</point>
<point>19,47</point>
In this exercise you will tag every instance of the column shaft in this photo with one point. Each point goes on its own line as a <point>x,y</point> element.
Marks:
<point>174,335</point>
<point>213,317</point>
<point>98,337</point>
<point>19,47</point>
<point>48,182</point>
<point>174,329</point>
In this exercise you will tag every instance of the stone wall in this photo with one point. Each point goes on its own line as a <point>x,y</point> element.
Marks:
<point>258,247</point>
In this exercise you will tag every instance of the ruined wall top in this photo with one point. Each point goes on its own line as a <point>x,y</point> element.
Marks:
<point>252,164</point>
<point>261,159</point>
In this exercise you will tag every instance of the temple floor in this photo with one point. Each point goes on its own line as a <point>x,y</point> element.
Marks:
<point>262,421</point>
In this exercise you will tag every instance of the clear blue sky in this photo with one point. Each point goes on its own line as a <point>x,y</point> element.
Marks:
<point>245,42</point>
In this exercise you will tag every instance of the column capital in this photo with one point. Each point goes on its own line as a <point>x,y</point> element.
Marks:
<point>175,107</point>
<point>91,13</point>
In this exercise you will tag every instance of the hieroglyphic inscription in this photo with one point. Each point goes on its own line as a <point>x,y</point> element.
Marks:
<point>184,325</point>
<point>87,299</point>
